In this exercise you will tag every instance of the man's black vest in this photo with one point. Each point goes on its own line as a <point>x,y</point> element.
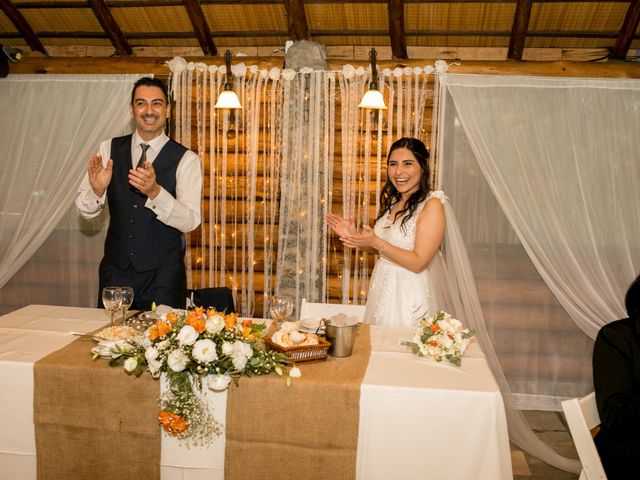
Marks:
<point>135,236</point>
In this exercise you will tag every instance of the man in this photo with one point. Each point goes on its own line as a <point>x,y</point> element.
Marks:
<point>153,187</point>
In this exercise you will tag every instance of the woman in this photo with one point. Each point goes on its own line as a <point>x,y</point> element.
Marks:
<point>616,378</point>
<point>407,235</point>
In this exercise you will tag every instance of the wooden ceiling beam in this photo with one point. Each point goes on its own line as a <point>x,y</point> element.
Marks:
<point>55,4</point>
<point>111,28</point>
<point>200,27</point>
<point>21,24</point>
<point>519,29</point>
<point>325,33</point>
<point>297,20</point>
<point>396,29</point>
<point>629,27</point>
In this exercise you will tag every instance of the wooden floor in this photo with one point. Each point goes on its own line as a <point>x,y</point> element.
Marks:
<point>552,429</point>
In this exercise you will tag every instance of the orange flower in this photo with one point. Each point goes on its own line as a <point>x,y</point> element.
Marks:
<point>199,311</point>
<point>211,312</point>
<point>196,322</point>
<point>435,327</point>
<point>433,343</point>
<point>246,332</point>
<point>173,423</point>
<point>163,328</point>
<point>230,322</point>
<point>159,330</point>
<point>172,318</point>
<point>247,323</point>
<point>153,332</point>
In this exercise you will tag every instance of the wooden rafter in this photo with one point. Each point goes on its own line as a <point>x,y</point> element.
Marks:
<point>629,26</point>
<point>22,26</point>
<point>111,28</point>
<point>200,27</point>
<point>519,29</point>
<point>396,29</point>
<point>297,20</point>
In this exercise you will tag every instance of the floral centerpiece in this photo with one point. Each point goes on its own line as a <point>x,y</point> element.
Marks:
<point>197,350</point>
<point>441,337</point>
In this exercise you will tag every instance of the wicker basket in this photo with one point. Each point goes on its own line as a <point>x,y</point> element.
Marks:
<point>304,353</point>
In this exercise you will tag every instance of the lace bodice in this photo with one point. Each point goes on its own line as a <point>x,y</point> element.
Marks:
<point>403,236</point>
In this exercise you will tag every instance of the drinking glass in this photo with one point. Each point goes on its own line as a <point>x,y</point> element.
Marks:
<point>280,308</point>
<point>127,300</point>
<point>112,299</point>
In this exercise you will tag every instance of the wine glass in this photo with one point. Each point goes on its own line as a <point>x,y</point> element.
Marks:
<point>280,308</point>
<point>112,299</point>
<point>127,300</point>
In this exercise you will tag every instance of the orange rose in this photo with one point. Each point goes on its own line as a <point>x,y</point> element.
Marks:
<point>173,423</point>
<point>196,322</point>
<point>163,328</point>
<point>435,327</point>
<point>230,322</point>
<point>153,332</point>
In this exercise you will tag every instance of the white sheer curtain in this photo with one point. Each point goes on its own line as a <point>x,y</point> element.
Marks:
<point>50,125</point>
<point>543,174</point>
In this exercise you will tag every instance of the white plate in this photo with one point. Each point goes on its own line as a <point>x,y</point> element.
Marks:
<point>308,324</point>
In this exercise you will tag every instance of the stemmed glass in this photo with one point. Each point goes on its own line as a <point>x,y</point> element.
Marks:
<point>112,299</point>
<point>127,300</point>
<point>280,308</point>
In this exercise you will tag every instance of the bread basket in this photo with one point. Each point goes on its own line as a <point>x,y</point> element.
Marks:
<point>303,353</point>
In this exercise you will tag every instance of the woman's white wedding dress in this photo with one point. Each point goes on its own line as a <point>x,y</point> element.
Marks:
<point>396,295</point>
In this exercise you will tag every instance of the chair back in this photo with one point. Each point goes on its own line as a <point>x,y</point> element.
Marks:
<point>220,298</point>
<point>317,310</point>
<point>582,416</point>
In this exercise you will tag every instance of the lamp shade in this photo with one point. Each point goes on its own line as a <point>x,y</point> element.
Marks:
<point>372,98</point>
<point>228,99</point>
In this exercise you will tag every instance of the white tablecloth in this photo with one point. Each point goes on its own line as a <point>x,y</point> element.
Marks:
<point>418,419</point>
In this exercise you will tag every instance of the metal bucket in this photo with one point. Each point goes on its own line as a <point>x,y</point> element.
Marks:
<point>341,337</point>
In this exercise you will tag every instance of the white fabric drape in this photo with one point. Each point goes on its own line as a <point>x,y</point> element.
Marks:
<point>543,174</point>
<point>273,173</point>
<point>50,125</point>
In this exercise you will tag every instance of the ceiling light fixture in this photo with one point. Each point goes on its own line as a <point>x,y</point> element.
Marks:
<point>228,98</point>
<point>372,98</point>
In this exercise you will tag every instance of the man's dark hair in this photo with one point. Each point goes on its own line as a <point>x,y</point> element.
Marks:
<point>632,299</point>
<point>150,82</point>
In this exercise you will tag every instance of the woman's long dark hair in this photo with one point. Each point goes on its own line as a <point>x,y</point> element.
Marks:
<point>390,195</point>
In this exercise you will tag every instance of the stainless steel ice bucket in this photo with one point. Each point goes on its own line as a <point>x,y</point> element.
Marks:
<point>341,337</point>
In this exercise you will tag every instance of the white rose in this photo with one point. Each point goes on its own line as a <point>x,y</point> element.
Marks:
<point>177,360</point>
<point>130,364</point>
<point>218,383</point>
<point>227,348</point>
<point>154,367</point>
<point>214,324</point>
<point>151,354</point>
<point>187,335</point>
<point>204,351</point>
<point>241,353</point>
<point>295,372</point>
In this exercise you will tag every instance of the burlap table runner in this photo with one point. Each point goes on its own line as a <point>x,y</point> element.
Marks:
<point>308,430</point>
<point>93,421</point>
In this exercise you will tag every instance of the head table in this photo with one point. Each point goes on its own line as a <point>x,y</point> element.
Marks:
<point>418,419</point>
